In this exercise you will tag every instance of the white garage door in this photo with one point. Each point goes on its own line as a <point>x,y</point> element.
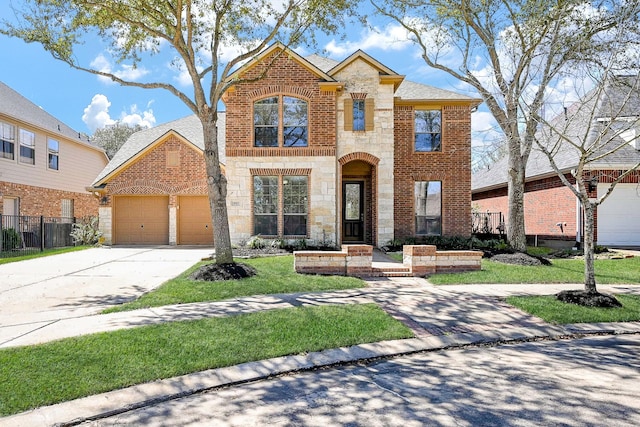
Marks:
<point>619,216</point>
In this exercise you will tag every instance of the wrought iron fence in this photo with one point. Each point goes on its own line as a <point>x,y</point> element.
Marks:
<point>487,223</point>
<point>22,235</point>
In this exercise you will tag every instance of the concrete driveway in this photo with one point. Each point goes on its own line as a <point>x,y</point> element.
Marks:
<point>37,292</point>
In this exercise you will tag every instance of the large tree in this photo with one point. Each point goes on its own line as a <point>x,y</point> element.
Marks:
<point>111,137</point>
<point>195,33</point>
<point>513,53</point>
<point>596,140</point>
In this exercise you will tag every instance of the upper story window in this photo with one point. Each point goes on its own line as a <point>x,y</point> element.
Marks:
<point>53,148</point>
<point>7,141</point>
<point>428,130</point>
<point>280,121</point>
<point>27,147</point>
<point>358,113</point>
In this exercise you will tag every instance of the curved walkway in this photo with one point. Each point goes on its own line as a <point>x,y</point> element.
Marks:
<point>441,317</point>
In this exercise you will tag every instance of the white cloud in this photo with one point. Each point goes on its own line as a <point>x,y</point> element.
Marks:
<point>393,37</point>
<point>126,72</point>
<point>97,116</point>
<point>146,119</point>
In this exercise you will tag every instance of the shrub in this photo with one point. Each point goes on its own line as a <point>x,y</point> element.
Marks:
<point>86,231</point>
<point>256,242</point>
<point>10,239</point>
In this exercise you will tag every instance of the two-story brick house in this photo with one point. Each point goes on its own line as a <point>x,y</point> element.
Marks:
<point>333,152</point>
<point>45,165</point>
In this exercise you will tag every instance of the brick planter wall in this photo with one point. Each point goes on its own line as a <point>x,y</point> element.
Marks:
<point>356,260</point>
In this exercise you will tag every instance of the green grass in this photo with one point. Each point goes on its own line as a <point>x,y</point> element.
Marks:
<point>551,310</point>
<point>608,271</point>
<point>46,252</point>
<point>275,275</point>
<point>76,367</point>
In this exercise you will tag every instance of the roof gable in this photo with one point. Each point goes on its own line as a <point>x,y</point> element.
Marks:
<point>279,48</point>
<point>187,129</point>
<point>579,122</point>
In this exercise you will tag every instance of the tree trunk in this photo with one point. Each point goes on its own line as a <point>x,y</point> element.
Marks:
<point>589,268</point>
<point>217,186</point>
<point>515,221</point>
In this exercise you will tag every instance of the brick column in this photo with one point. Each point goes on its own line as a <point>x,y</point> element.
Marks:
<point>359,259</point>
<point>421,259</point>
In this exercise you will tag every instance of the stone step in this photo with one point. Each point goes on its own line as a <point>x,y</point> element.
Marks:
<point>392,272</point>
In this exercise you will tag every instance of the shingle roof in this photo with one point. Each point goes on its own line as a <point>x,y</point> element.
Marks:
<point>14,105</point>
<point>407,90</point>
<point>188,127</point>
<point>615,102</point>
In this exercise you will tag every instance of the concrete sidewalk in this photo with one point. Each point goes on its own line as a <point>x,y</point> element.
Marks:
<point>441,317</point>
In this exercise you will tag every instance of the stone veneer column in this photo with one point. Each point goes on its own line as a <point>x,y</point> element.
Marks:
<point>173,225</point>
<point>421,259</point>
<point>104,223</point>
<point>359,259</point>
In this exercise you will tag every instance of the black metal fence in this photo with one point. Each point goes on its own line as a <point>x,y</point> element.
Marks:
<point>487,223</point>
<point>22,235</point>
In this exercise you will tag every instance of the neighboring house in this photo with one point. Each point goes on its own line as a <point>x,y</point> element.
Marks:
<point>45,166</point>
<point>334,152</point>
<point>552,212</point>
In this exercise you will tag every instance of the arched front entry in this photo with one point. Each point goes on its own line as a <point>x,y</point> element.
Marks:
<point>358,213</point>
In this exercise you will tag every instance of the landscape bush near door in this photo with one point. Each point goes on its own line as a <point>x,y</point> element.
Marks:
<point>85,232</point>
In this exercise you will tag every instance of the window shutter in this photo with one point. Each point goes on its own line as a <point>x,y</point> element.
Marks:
<point>368,114</point>
<point>348,114</point>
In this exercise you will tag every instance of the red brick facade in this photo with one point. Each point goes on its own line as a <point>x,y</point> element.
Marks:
<point>171,167</point>
<point>451,166</point>
<point>38,201</point>
<point>285,76</point>
<point>547,202</point>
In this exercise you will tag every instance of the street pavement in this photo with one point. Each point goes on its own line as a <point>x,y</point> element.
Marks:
<point>64,293</point>
<point>593,381</point>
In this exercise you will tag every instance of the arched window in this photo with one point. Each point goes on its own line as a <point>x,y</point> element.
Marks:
<point>280,121</point>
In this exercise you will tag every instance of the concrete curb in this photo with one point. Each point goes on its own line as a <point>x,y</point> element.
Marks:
<point>119,401</point>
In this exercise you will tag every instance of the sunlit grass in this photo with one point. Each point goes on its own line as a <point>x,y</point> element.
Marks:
<point>551,310</point>
<point>275,275</point>
<point>76,367</point>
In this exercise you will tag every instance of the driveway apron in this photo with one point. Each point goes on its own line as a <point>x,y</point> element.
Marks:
<point>38,292</point>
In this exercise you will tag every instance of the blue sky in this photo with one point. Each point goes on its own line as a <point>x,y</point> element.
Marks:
<point>86,102</point>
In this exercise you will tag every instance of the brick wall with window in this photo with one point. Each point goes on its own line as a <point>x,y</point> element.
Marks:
<point>448,169</point>
<point>286,83</point>
<point>36,201</point>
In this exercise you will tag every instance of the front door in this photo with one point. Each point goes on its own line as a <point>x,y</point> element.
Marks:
<point>353,211</point>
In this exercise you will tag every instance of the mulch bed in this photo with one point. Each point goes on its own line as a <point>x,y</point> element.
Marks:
<point>213,272</point>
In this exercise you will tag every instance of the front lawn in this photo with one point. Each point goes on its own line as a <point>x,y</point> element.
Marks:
<point>551,310</point>
<point>275,276</point>
<point>76,367</point>
<point>608,271</point>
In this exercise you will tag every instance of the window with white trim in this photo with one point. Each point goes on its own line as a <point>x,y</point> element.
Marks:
<point>428,208</point>
<point>53,149</point>
<point>27,147</point>
<point>7,141</point>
